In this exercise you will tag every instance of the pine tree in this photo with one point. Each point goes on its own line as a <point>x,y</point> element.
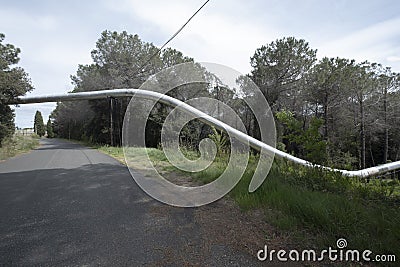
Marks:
<point>14,82</point>
<point>38,124</point>
<point>49,127</point>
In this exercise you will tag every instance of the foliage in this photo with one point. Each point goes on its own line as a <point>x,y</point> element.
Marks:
<point>279,67</point>
<point>313,205</point>
<point>6,121</point>
<point>307,143</point>
<point>354,101</point>
<point>344,113</point>
<point>17,144</point>
<point>324,204</point>
<point>14,82</point>
<point>39,124</point>
<point>49,129</point>
<point>333,111</point>
<point>118,62</point>
<point>220,140</point>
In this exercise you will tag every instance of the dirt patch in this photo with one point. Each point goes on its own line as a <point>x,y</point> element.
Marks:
<point>224,224</point>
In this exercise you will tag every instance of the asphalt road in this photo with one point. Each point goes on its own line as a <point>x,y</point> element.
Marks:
<point>67,205</point>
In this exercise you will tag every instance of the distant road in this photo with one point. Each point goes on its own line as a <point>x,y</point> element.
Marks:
<point>64,204</point>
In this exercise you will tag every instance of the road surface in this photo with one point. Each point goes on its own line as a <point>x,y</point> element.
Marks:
<point>65,204</point>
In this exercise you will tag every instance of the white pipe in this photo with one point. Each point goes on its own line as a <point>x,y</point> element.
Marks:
<point>256,144</point>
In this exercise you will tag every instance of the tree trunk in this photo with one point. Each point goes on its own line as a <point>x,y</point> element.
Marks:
<point>326,116</point>
<point>370,153</point>
<point>386,128</point>
<point>111,122</point>
<point>69,130</point>
<point>362,135</point>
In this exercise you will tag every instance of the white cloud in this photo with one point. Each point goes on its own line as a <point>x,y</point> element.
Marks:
<point>373,43</point>
<point>27,21</point>
<point>61,54</point>
<point>393,59</point>
<point>230,33</point>
<point>212,36</point>
<point>48,54</point>
<point>48,23</point>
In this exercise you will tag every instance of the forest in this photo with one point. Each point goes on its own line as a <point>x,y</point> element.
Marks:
<point>332,111</point>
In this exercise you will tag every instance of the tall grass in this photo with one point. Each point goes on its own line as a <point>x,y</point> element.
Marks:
<point>327,206</point>
<point>317,207</point>
<point>17,144</point>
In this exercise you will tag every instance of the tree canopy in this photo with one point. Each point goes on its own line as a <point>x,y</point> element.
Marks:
<point>14,82</point>
<point>39,124</point>
<point>351,100</point>
<point>49,129</point>
<point>332,111</point>
<point>118,62</point>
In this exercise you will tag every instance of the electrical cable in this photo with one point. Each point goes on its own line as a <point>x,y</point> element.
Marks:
<point>140,69</point>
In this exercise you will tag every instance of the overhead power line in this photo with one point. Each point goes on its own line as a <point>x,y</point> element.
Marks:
<point>172,37</point>
<point>183,26</point>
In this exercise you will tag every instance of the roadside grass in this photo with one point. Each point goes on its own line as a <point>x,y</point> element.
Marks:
<point>17,144</point>
<point>327,206</point>
<point>115,152</point>
<point>317,207</point>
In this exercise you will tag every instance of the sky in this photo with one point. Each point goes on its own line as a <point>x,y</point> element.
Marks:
<point>56,36</point>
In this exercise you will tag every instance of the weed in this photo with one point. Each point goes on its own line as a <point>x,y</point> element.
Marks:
<point>17,144</point>
<point>316,206</point>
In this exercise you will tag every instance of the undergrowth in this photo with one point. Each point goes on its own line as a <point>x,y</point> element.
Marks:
<point>17,144</point>
<point>315,205</point>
